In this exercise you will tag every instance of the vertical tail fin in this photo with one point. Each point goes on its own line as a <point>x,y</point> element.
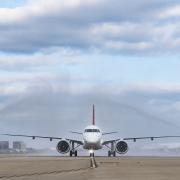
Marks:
<point>93,120</point>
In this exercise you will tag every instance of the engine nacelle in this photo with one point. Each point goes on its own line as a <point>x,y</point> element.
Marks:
<point>63,147</point>
<point>121,147</point>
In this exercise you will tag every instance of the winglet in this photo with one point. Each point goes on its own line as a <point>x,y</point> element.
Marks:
<point>93,120</point>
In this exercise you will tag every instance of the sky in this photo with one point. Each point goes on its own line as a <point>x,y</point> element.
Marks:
<point>57,58</point>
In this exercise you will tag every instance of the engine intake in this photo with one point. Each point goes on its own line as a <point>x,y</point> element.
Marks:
<point>121,147</point>
<point>63,147</point>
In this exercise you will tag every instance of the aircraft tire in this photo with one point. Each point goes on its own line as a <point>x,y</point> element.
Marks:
<point>70,153</point>
<point>114,154</point>
<point>109,153</point>
<point>75,153</point>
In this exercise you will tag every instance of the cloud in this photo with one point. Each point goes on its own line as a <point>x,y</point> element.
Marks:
<point>50,57</point>
<point>41,8</point>
<point>99,25</point>
<point>170,12</point>
<point>41,100</point>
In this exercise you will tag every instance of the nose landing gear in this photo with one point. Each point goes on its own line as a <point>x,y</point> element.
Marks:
<point>112,151</point>
<point>91,153</point>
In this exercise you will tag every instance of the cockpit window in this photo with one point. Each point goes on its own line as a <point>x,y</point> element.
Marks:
<point>92,130</point>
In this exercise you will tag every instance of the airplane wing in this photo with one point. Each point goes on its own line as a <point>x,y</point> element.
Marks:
<point>33,137</point>
<point>76,141</point>
<point>44,137</point>
<point>110,141</point>
<point>148,137</point>
<point>138,138</point>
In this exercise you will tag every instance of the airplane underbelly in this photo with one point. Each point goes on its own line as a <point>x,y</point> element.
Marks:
<point>89,145</point>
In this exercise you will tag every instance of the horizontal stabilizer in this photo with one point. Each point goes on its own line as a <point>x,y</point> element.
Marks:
<point>106,133</point>
<point>74,132</point>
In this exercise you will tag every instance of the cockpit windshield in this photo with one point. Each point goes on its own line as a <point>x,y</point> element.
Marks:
<point>92,130</point>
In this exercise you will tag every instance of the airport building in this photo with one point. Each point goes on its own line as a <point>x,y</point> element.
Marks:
<point>16,147</point>
<point>4,145</point>
<point>19,146</point>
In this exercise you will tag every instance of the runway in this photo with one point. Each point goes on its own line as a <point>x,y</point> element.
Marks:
<point>119,168</point>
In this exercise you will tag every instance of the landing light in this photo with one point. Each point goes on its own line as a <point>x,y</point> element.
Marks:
<point>91,151</point>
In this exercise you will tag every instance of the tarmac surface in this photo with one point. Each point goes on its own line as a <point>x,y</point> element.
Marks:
<point>66,168</point>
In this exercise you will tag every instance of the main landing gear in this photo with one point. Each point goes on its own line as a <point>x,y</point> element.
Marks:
<point>112,150</point>
<point>73,151</point>
<point>113,153</point>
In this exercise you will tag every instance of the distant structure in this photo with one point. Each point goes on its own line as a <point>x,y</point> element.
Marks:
<point>4,146</point>
<point>19,146</point>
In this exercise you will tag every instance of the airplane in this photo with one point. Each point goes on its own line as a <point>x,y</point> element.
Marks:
<point>92,141</point>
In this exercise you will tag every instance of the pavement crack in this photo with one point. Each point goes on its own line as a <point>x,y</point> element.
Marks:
<point>43,173</point>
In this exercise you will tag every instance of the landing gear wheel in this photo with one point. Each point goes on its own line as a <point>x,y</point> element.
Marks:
<point>114,153</point>
<point>91,154</point>
<point>75,153</point>
<point>70,153</point>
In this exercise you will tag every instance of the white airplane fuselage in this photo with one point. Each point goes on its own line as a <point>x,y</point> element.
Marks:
<point>92,137</point>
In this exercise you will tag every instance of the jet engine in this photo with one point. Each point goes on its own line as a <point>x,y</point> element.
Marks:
<point>121,147</point>
<point>63,147</point>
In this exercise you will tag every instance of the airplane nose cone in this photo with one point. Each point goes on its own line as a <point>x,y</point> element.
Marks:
<point>92,139</point>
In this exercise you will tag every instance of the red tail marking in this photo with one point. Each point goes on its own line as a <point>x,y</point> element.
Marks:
<point>93,122</point>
